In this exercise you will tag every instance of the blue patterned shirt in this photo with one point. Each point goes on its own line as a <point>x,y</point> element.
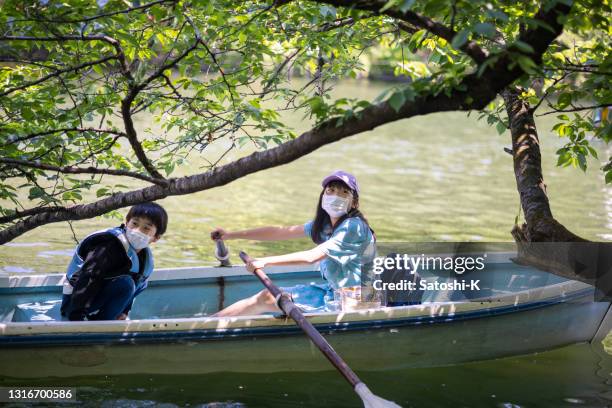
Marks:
<point>347,249</point>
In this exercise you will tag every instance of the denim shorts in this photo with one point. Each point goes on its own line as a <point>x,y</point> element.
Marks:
<point>312,297</point>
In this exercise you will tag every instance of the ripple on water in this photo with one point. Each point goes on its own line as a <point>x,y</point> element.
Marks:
<point>202,219</point>
<point>410,171</point>
<point>16,269</point>
<point>26,244</point>
<point>574,400</point>
<point>150,403</point>
<point>55,253</point>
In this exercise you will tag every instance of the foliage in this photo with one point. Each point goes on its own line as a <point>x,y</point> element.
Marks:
<point>76,74</point>
<point>573,83</point>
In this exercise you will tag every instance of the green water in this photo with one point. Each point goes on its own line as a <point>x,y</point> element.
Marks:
<point>575,376</point>
<point>433,178</point>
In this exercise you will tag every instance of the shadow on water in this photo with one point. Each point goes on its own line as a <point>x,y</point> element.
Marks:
<point>573,376</point>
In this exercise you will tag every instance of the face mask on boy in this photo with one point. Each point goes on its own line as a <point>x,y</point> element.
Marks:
<point>137,239</point>
<point>334,205</point>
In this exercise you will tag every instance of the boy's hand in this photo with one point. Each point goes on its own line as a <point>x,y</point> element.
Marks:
<point>219,233</point>
<point>122,316</point>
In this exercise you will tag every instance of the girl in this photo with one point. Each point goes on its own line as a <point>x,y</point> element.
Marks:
<point>345,244</point>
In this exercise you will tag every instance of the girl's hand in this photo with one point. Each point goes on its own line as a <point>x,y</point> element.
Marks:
<point>219,233</point>
<point>255,264</point>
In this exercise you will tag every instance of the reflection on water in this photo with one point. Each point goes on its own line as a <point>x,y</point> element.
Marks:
<point>567,377</point>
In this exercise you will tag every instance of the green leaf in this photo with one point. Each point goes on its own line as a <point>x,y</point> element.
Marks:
<point>501,127</point>
<point>527,64</point>
<point>564,100</point>
<point>327,11</point>
<point>558,56</point>
<point>460,39</point>
<point>564,159</point>
<point>407,5</point>
<point>524,47</point>
<point>27,113</point>
<point>102,192</point>
<point>388,5</point>
<point>486,29</point>
<point>36,192</point>
<point>582,161</point>
<point>397,100</point>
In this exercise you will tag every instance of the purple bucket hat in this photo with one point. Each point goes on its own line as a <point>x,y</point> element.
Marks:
<point>344,177</point>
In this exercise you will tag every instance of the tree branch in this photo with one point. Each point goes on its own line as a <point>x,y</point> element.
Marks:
<point>576,109</point>
<point>98,16</point>
<point>79,170</point>
<point>57,73</point>
<point>132,137</point>
<point>479,91</point>
<point>59,38</point>
<point>471,48</point>
<point>546,93</point>
<point>126,106</point>
<point>27,213</point>
<point>63,130</point>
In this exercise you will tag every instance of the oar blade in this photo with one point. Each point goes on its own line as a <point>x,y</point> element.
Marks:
<point>372,401</point>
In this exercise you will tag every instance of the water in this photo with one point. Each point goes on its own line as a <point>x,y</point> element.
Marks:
<point>433,178</point>
<point>574,376</point>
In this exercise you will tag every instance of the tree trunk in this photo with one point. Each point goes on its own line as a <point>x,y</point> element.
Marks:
<point>542,241</point>
<point>540,226</point>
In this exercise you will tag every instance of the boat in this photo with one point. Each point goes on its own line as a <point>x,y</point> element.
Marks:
<point>516,310</point>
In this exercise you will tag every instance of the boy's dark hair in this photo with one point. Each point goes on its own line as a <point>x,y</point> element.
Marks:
<point>152,211</point>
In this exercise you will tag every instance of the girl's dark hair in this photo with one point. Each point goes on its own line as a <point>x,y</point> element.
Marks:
<point>152,211</point>
<point>322,217</point>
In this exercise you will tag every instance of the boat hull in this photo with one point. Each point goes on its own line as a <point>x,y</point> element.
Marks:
<point>392,345</point>
<point>516,312</point>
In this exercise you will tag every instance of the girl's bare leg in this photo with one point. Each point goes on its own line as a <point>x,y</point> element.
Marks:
<point>262,302</point>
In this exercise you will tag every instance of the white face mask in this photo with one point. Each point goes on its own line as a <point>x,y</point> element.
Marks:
<point>334,205</point>
<point>137,239</point>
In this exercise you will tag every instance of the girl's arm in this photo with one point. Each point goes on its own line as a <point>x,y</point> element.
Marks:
<point>304,257</point>
<point>263,233</point>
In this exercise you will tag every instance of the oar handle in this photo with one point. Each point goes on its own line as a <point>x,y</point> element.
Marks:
<point>221,252</point>
<point>287,306</point>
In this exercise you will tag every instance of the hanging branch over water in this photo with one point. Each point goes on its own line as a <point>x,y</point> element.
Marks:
<point>135,79</point>
<point>480,89</point>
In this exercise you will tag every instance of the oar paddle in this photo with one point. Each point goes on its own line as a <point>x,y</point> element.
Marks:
<point>284,302</point>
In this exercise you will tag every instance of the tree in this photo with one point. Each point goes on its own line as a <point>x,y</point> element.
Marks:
<point>78,73</point>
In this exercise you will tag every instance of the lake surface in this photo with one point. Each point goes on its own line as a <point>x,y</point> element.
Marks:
<point>442,177</point>
<point>575,376</point>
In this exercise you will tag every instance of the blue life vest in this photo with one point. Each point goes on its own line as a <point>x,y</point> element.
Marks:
<point>77,262</point>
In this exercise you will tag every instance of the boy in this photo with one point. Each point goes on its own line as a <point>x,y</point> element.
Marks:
<point>110,267</point>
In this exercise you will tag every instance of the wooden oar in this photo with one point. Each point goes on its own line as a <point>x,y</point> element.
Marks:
<point>284,302</point>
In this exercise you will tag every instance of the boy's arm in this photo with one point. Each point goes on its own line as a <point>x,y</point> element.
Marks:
<point>102,260</point>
